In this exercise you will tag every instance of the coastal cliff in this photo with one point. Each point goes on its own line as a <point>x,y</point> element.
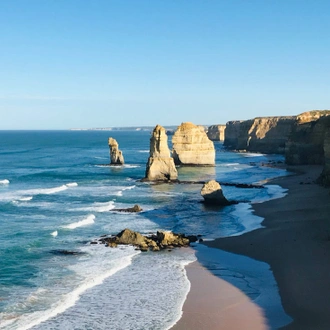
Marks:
<point>160,165</point>
<point>261,134</point>
<point>305,143</point>
<point>191,146</point>
<point>216,132</point>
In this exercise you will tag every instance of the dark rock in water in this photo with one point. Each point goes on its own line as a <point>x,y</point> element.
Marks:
<point>136,208</point>
<point>162,240</point>
<point>66,252</point>
<point>93,242</point>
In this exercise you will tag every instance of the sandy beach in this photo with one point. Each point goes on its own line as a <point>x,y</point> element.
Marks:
<point>295,243</point>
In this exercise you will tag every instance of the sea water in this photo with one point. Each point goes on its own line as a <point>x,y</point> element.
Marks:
<point>56,194</point>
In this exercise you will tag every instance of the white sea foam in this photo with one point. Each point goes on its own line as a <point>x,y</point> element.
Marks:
<point>129,188</point>
<point>4,181</point>
<point>251,154</point>
<point>25,199</point>
<point>91,278</point>
<point>119,193</point>
<point>72,184</point>
<point>131,166</point>
<point>144,151</point>
<point>88,221</point>
<point>97,207</point>
<point>54,233</point>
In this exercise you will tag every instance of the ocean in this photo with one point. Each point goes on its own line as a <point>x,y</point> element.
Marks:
<point>56,195</point>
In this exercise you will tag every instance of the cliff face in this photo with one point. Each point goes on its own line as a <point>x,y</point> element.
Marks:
<point>116,156</point>
<point>160,166</point>
<point>231,134</point>
<point>216,132</point>
<point>305,143</point>
<point>325,176</point>
<point>262,134</point>
<point>191,146</point>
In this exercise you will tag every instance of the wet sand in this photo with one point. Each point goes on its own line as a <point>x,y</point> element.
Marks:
<point>214,304</point>
<point>295,243</point>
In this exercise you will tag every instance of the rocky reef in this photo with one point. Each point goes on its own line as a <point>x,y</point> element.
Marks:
<point>154,242</point>
<point>191,146</point>
<point>160,165</point>
<point>216,132</point>
<point>306,141</point>
<point>213,194</point>
<point>116,156</point>
<point>261,134</point>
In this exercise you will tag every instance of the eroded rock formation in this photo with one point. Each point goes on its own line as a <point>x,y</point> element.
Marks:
<point>262,134</point>
<point>160,166</point>
<point>162,240</point>
<point>116,156</point>
<point>305,143</point>
<point>212,194</point>
<point>191,146</point>
<point>216,132</point>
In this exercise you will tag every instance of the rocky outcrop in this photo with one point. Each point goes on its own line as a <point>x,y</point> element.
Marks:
<point>216,132</point>
<point>116,156</point>
<point>136,208</point>
<point>162,240</point>
<point>191,146</point>
<point>306,141</point>
<point>261,134</point>
<point>212,194</point>
<point>160,166</point>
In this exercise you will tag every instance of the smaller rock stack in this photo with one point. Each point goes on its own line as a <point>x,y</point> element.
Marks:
<point>116,156</point>
<point>160,165</point>
<point>212,194</point>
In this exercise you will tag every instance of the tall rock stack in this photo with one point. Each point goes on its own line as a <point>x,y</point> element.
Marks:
<point>160,166</point>
<point>191,146</point>
<point>116,156</point>
<point>216,132</point>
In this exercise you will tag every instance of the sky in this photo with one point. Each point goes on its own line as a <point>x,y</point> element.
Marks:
<point>108,63</point>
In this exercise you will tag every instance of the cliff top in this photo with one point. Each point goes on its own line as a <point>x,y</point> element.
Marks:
<point>312,115</point>
<point>187,125</point>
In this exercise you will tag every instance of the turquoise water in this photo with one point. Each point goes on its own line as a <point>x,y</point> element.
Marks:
<point>56,194</point>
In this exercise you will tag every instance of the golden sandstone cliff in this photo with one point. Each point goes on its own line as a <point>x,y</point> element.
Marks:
<point>191,146</point>
<point>216,132</point>
<point>160,165</point>
<point>304,139</point>
<point>262,134</point>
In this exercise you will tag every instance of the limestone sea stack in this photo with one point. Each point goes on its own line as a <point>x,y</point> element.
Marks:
<point>212,194</point>
<point>160,166</point>
<point>116,156</point>
<point>191,146</point>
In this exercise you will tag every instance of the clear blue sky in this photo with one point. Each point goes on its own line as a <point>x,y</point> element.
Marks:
<point>101,63</point>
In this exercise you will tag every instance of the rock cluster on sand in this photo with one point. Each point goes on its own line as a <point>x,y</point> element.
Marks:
<point>216,132</point>
<point>160,165</point>
<point>191,146</point>
<point>162,240</point>
<point>212,194</point>
<point>116,156</point>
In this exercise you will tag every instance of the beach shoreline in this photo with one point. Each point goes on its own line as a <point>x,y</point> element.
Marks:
<point>295,243</point>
